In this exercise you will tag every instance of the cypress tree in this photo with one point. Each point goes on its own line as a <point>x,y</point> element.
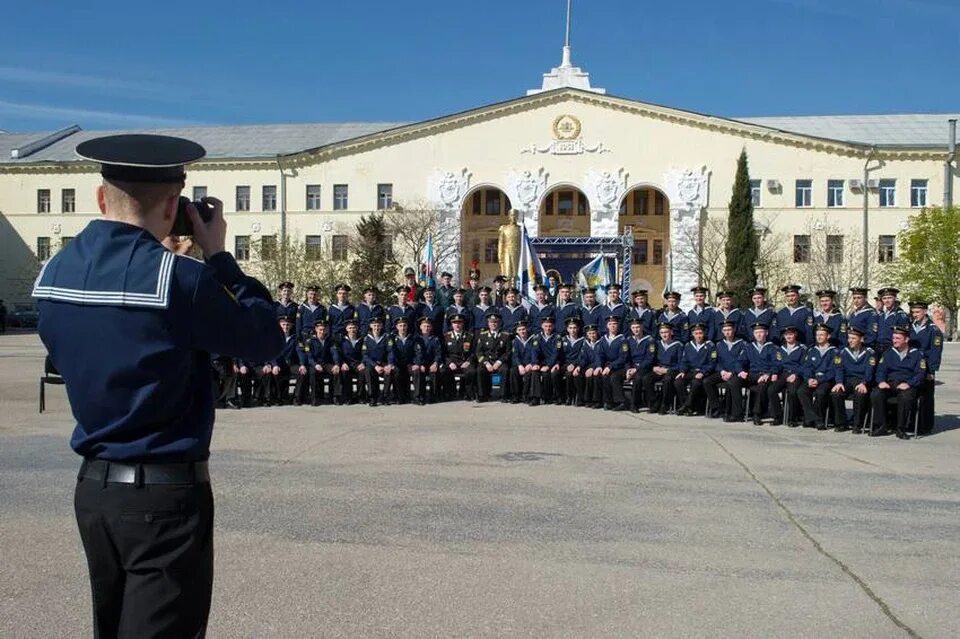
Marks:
<point>742,246</point>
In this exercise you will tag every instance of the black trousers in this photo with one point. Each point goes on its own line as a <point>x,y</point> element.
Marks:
<point>691,394</point>
<point>773,398</point>
<point>400,384</point>
<point>905,403</point>
<point>225,381</point>
<point>551,385</point>
<point>245,385</point>
<point>573,387</point>
<point>593,390</point>
<point>420,380</point>
<point>613,387</point>
<point>317,378</point>
<point>861,404</point>
<point>468,376</point>
<point>664,399</point>
<point>526,387</point>
<point>373,380</point>
<point>758,394</point>
<point>345,382</point>
<point>150,557</point>
<point>814,402</point>
<point>485,381</point>
<point>732,408</point>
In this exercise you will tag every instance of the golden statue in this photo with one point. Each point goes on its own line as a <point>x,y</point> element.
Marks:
<point>508,246</point>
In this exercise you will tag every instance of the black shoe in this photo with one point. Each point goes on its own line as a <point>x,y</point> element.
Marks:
<point>821,426</point>
<point>809,424</point>
<point>757,421</point>
<point>617,408</point>
<point>683,412</point>
<point>534,402</point>
<point>232,404</point>
<point>793,424</point>
<point>902,435</point>
<point>596,405</point>
<point>856,430</point>
<point>715,414</point>
<point>839,428</point>
<point>777,422</point>
<point>880,432</point>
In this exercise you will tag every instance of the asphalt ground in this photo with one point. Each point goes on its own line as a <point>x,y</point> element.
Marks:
<point>493,520</point>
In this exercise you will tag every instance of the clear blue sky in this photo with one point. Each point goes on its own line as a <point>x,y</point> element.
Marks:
<point>142,64</point>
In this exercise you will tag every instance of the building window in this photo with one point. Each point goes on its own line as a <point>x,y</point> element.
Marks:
<point>313,197</point>
<point>388,247</point>
<point>658,251</point>
<point>640,199</point>
<point>339,197</point>
<point>565,203</point>
<point>243,198</point>
<point>834,193</point>
<point>384,196</point>
<point>268,247</point>
<point>804,193</point>
<point>43,200</point>
<point>490,252</point>
<point>66,239</point>
<point>68,200</point>
<point>918,193</point>
<point>888,193</point>
<point>199,192</point>
<point>475,251</point>
<point>659,205</point>
<point>241,248</point>
<point>313,247</point>
<point>43,248</point>
<point>801,249</point>
<point>494,206</point>
<point>269,198</point>
<point>640,248</point>
<point>755,192</point>
<point>339,248</point>
<point>834,249</point>
<point>886,247</point>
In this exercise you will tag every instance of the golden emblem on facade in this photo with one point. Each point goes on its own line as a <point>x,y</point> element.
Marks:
<point>566,127</point>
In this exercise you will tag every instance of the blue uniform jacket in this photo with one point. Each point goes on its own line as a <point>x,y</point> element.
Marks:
<point>679,323</point>
<point>887,322</point>
<point>801,318</point>
<point>572,348</point>
<point>792,359</point>
<point>510,316</point>
<point>837,324</point>
<point>321,352</point>
<point>867,320</point>
<point>480,315</point>
<point>525,351</point>
<point>338,317</point>
<point>704,315</point>
<point>535,315</point>
<point>647,316</point>
<point>551,350</point>
<point>348,352</point>
<point>288,310</point>
<point>395,312</point>
<point>763,360</point>
<point>860,365</point>
<point>592,355</point>
<point>365,313</point>
<point>427,350</point>
<point>735,315</point>
<point>765,315</point>
<point>401,351</point>
<point>643,351</point>
<point>375,350</point>
<point>565,312</point>
<point>731,356</point>
<point>434,313</point>
<point>821,366</point>
<point>307,317</point>
<point>620,311</point>
<point>911,368</point>
<point>928,338</point>
<point>452,310</point>
<point>146,395</point>
<point>288,355</point>
<point>593,315</point>
<point>616,351</point>
<point>669,354</point>
<point>699,359</point>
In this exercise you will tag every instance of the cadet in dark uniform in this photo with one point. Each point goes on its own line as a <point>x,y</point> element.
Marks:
<point>341,311</point>
<point>493,357</point>
<point>499,291</point>
<point>677,319</point>
<point>458,307</point>
<point>666,366</point>
<point>763,368</point>
<point>512,312</point>
<point>540,309</point>
<point>145,419</point>
<point>368,309</point>
<point>481,311</point>
<point>591,313</point>
<point>309,313</point>
<point>400,358</point>
<point>350,358</point>
<point>762,312</point>
<point>891,316</point>
<point>730,365</point>
<point>275,378</point>
<point>430,310</point>
<point>791,377</point>
<point>400,309</point>
<point>900,374</point>
<point>375,355</point>
<point>445,291</point>
<point>458,359</point>
<point>642,311</point>
<point>427,358</point>
<point>323,360</point>
<point>591,363</point>
<point>550,360</point>
<point>725,312</point>
<point>828,314</point>
<point>286,307</point>
<point>524,368</point>
<point>926,337</point>
<point>643,352</point>
<point>795,314</point>
<point>565,308</point>
<point>854,380</point>
<point>699,362</point>
<point>863,316</point>
<point>572,371</point>
<point>615,307</point>
<point>616,356</point>
<point>820,371</point>
<point>701,312</point>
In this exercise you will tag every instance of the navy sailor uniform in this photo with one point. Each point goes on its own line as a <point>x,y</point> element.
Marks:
<point>698,359</point>
<point>820,364</point>
<point>897,368</point>
<point>855,368</point>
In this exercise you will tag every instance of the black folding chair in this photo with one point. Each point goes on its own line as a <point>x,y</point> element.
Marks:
<point>50,376</point>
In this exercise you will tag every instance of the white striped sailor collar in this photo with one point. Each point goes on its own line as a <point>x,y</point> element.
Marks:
<point>820,313</point>
<point>858,355</point>
<point>670,315</point>
<point>640,310</point>
<point>376,339</point>
<point>727,313</point>
<point>904,354</point>
<point>610,339</point>
<point>792,309</point>
<point>638,341</point>
<point>733,343</point>
<point>286,303</point>
<point>541,306</point>
<point>342,307</point>
<point>823,349</point>
<point>759,347</point>
<point>312,308</point>
<point>668,345</point>
<point>863,309</point>
<point>757,312</point>
<point>788,348</point>
<point>591,308</point>
<point>698,347</point>
<point>699,309</point>
<point>613,306</point>
<point>522,340</point>
<point>573,340</point>
<point>922,326</point>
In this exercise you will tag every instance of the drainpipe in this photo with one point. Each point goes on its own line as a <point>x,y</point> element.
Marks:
<point>948,167</point>
<point>866,214</point>
<point>283,219</point>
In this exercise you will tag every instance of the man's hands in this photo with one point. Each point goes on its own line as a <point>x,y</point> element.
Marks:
<point>210,237</point>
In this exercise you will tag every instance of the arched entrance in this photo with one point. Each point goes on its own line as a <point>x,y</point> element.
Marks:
<point>564,211</point>
<point>484,210</point>
<point>645,211</point>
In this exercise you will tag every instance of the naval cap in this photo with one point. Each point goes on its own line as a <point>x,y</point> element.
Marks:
<point>139,157</point>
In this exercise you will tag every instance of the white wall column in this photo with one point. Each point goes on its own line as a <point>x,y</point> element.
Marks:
<point>688,193</point>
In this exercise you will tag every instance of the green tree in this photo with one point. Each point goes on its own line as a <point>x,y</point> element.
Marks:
<point>742,245</point>
<point>372,263</point>
<point>928,265</point>
<point>273,262</point>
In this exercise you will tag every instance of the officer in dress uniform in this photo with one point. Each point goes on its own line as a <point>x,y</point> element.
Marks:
<point>457,306</point>
<point>699,361</point>
<point>790,379</point>
<point>725,312</point>
<point>458,358</point>
<point>400,309</point>
<point>566,308</point>
<point>145,420</point>
<point>827,313</point>
<point>666,366</point>
<point>350,359</point>
<point>900,374</point>
<point>341,311</point>
<point>763,368</point>
<point>376,368</point>
<point>890,316</point>
<point>286,307</point>
<point>926,337</point>
<point>323,361</point>
<point>759,311</point>
<point>854,380</point>
<point>642,354</point>
<point>572,371</point>
<point>614,307</point>
<point>540,309</point>
<point>368,309</point>
<point>493,357</point>
<point>591,363</point>
<point>796,314</point>
<point>701,312</point>
<point>591,312</point>
<point>642,311</point>
<point>427,360</point>
<point>820,371</point>
<point>676,318</point>
<point>863,316</point>
<point>550,361</point>
<point>524,368</point>
<point>731,361</point>
<point>400,358</point>
<point>309,313</point>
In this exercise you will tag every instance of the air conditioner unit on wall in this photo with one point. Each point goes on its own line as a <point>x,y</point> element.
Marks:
<point>873,184</point>
<point>856,185</point>
<point>773,186</point>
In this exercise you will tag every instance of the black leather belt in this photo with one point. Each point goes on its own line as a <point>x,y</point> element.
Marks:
<point>144,474</point>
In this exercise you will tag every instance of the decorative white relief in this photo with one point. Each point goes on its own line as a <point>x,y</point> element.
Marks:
<point>688,193</point>
<point>327,226</point>
<point>686,189</point>
<point>55,228</point>
<point>565,147</point>
<point>606,189</point>
<point>447,188</point>
<point>524,189</point>
<point>255,227</point>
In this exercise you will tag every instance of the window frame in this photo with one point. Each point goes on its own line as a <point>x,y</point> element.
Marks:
<point>313,248</point>
<point>241,206</point>
<point>244,254</point>
<point>384,196</point>
<point>264,191</point>
<point>887,193</point>
<point>339,248</point>
<point>48,249</point>
<point>44,201</point>
<point>313,201</point>
<point>801,252</point>
<point>341,197</point>
<point>886,249</point>
<point>834,248</point>
<point>64,208</point>
<point>803,193</point>
<point>835,193</point>
<point>918,187</point>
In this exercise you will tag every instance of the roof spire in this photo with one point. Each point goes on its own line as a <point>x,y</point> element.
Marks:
<point>566,75</point>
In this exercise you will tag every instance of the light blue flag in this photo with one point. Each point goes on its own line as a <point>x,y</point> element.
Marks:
<point>530,270</point>
<point>596,274</point>
<point>430,267</point>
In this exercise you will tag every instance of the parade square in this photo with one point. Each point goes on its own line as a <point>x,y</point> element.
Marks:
<point>463,520</point>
